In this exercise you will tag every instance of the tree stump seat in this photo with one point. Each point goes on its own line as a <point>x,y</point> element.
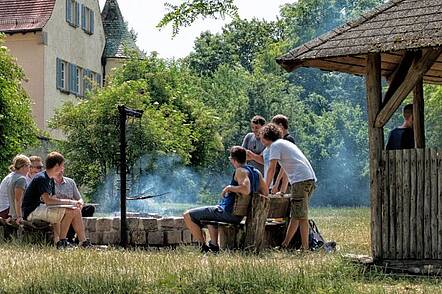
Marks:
<point>264,225</point>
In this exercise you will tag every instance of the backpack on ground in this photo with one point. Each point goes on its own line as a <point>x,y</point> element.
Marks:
<point>316,241</point>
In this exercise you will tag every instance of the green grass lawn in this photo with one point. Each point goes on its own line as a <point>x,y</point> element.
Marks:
<point>41,269</point>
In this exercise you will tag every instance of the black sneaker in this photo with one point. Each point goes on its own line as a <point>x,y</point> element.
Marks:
<point>86,244</point>
<point>204,248</point>
<point>213,248</point>
<point>63,244</point>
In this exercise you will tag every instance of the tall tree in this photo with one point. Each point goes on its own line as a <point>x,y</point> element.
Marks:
<point>17,128</point>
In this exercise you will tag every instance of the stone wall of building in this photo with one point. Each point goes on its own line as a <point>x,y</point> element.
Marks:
<point>167,231</point>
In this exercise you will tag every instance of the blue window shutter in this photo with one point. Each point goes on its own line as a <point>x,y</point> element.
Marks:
<point>68,11</point>
<point>75,79</point>
<point>92,22</point>
<point>58,74</point>
<point>83,17</point>
<point>71,78</point>
<point>77,17</point>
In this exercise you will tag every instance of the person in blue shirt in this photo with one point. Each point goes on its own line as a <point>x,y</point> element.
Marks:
<point>246,180</point>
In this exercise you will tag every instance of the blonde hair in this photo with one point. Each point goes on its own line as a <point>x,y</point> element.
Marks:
<point>19,161</point>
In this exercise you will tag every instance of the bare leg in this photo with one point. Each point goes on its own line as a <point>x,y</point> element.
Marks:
<point>303,226</point>
<point>194,228</point>
<point>291,230</point>
<point>77,224</point>
<point>56,231</point>
<point>66,222</point>
<point>213,232</point>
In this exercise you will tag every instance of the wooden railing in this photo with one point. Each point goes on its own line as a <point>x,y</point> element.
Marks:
<point>411,204</point>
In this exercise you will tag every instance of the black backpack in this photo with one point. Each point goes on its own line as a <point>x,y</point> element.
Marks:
<point>316,241</point>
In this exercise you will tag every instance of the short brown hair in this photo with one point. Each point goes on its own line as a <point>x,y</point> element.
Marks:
<point>280,119</point>
<point>53,159</point>
<point>239,154</point>
<point>271,132</point>
<point>407,111</point>
<point>258,120</point>
<point>35,158</point>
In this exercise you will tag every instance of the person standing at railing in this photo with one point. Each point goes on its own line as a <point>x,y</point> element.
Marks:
<point>252,142</point>
<point>402,137</point>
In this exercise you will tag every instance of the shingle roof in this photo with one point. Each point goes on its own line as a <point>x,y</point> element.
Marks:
<point>24,15</point>
<point>117,35</point>
<point>394,27</point>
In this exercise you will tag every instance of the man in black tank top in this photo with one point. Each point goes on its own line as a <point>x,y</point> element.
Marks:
<point>402,137</point>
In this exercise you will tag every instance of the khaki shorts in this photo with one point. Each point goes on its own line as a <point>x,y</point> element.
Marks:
<point>300,196</point>
<point>50,215</point>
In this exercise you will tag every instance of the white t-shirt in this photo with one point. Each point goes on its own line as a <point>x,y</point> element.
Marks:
<point>294,162</point>
<point>4,191</point>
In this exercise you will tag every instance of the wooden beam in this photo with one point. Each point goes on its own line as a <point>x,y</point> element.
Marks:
<point>376,144</point>
<point>418,115</point>
<point>399,74</point>
<point>417,71</point>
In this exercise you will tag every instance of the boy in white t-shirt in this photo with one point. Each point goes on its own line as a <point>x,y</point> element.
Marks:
<point>300,174</point>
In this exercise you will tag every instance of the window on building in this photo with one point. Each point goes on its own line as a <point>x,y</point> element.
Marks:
<point>87,19</point>
<point>74,79</point>
<point>73,13</point>
<point>62,75</point>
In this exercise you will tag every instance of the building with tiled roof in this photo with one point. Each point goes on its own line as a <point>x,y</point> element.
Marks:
<point>64,47</point>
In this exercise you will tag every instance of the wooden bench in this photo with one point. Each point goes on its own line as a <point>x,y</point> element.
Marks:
<point>29,232</point>
<point>259,229</point>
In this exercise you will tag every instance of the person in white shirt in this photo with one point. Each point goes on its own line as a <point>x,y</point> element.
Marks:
<point>300,175</point>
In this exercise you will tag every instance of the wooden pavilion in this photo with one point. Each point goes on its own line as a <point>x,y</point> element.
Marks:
<point>401,41</point>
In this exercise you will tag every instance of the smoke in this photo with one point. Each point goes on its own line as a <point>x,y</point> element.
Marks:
<point>342,181</point>
<point>185,187</point>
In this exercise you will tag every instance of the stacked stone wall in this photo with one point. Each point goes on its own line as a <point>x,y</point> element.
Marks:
<point>142,231</point>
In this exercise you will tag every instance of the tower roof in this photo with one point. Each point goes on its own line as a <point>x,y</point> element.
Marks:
<point>117,34</point>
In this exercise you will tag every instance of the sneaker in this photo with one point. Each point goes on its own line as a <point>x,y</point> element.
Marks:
<point>213,248</point>
<point>204,248</point>
<point>63,244</point>
<point>86,244</point>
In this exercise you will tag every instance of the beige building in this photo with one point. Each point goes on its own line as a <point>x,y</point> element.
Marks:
<point>60,44</point>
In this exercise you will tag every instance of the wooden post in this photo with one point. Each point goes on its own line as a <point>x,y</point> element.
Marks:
<point>376,143</point>
<point>385,206</point>
<point>418,115</point>
<point>413,201</point>
<point>256,223</point>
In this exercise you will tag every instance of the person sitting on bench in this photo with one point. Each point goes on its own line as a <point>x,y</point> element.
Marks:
<point>246,180</point>
<point>40,195</point>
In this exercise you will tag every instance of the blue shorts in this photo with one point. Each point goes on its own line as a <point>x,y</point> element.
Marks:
<point>213,213</point>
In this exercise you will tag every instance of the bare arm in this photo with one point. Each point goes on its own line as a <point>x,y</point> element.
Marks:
<point>271,172</point>
<point>263,189</point>
<point>243,188</point>
<point>50,200</point>
<point>256,157</point>
<point>18,200</point>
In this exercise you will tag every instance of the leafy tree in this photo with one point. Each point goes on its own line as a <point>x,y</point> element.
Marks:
<point>17,128</point>
<point>186,13</point>
<point>174,120</point>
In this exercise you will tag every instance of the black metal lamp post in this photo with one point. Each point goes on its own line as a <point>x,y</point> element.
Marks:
<point>124,113</point>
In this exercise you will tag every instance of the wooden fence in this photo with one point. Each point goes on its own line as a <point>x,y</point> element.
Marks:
<point>411,204</point>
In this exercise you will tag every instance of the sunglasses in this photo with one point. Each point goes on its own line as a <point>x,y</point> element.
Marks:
<point>38,166</point>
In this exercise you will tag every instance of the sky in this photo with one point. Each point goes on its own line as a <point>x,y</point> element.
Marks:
<point>144,15</point>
